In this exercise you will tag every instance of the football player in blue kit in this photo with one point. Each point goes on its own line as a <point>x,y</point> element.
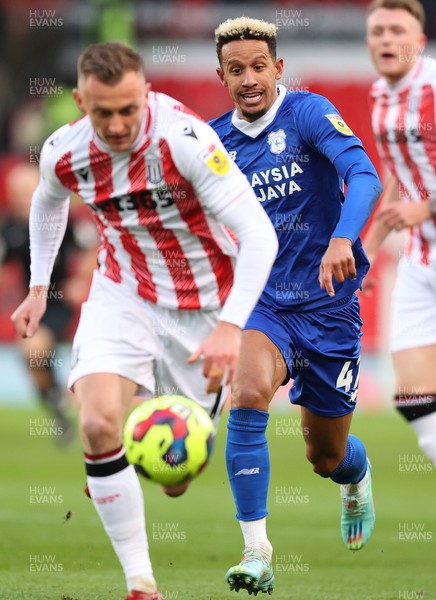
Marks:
<point>297,152</point>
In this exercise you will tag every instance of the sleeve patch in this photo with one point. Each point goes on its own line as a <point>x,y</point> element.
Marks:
<point>339,124</point>
<point>217,162</point>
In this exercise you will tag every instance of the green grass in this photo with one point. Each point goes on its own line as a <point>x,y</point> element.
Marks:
<point>195,538</point>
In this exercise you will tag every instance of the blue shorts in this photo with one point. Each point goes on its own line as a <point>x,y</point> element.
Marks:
<point>321,350</point>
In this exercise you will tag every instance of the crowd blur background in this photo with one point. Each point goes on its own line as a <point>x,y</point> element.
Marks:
<point>323,46</point>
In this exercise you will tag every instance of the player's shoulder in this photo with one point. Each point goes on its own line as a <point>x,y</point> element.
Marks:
<point>66,139</point>
<point>169,110</point>
<point>303,100</point>
<point>174,122</point>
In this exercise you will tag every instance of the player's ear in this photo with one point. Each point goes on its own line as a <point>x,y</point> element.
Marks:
<point>278,65</point>
<point>147,91</point>
<point>220,74</point>
<point>79,101</point>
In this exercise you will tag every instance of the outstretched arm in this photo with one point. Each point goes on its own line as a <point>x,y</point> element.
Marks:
<point>47,223</point>
<point>364,188</point>
<point>379,230</point>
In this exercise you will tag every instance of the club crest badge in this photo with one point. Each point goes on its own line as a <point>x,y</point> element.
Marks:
<point>276,141</point>
<point>154,171</point>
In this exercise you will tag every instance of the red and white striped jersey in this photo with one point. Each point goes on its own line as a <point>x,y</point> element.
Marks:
<point>157,206</point>
<point>404,123</point>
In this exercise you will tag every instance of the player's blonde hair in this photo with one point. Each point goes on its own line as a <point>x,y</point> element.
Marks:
<point>414,7</point>
<point>109,62</point>
<point>245,28</point>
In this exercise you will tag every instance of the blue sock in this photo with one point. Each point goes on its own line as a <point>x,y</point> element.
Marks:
<point>353,468</point>
<point>247,460</point>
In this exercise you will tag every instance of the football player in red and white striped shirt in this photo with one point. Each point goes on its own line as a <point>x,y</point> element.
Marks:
<point>404,123</point>
<point>186,250</point>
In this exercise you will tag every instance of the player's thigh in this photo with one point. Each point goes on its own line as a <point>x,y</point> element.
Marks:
<point>327,365</point>
<point>180,333</point>
<point>415,371</point>
<point>260,371</point>
<point>104,395</point>
<point>115,335</point>
<point>413,320</point>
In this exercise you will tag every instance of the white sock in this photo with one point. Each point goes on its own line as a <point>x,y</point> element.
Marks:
<point>425,428</point>
<point>119,502</point>
<point>353,488</point>
<point>254,533</point>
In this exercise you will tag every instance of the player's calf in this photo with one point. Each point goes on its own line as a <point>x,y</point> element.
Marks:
<point>420,412</point>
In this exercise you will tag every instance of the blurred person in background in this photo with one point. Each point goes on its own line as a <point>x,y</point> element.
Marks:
<point>69,285</point>
<point>403,118</point>
<point>296,151</point>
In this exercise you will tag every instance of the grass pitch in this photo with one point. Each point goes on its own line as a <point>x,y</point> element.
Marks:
<point>53,547</point>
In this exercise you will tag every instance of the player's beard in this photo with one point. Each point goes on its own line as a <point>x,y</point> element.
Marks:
<point>253,116</point>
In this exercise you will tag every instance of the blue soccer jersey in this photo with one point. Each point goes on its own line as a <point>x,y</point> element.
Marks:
<point>292,163</point>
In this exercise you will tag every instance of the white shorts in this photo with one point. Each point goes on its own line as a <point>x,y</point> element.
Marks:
<point>413,306</point>
<point>124,334</point>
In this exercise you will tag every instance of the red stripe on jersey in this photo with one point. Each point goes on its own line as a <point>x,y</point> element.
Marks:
<point>138,183</point>
<point>136,169</point>
<point>409,246</point>
<point>101,167</point>
<point>138,261</point>
<point>425,248</point>
<point>418,182</point>
<point>65,173</point>
<point>192,213</point>
<point>427,123</point>
<point>384,136</point>
<point>112,267</point>
<point>404,149</point>
<point>172,253</point>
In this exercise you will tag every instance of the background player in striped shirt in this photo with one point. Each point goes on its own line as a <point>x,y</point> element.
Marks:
<point>296,151</point>
<point>403,118</point>
<point>174,285</point>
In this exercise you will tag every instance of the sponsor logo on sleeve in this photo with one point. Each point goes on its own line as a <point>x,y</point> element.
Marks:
<point>216,160</point>
<point>338,123</point>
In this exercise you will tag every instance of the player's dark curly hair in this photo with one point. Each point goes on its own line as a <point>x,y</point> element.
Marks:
<point>246,28</point>
<point>109,62</point>
<point>414,7</point>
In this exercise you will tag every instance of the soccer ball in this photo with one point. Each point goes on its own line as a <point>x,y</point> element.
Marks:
<point>169,439</point>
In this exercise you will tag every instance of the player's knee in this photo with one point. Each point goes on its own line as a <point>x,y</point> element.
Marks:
<point>323,464</point>
<point>99,429</point>
<point>251,395</point>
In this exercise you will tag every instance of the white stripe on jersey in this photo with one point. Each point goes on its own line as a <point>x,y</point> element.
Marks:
<point>403,120</point>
